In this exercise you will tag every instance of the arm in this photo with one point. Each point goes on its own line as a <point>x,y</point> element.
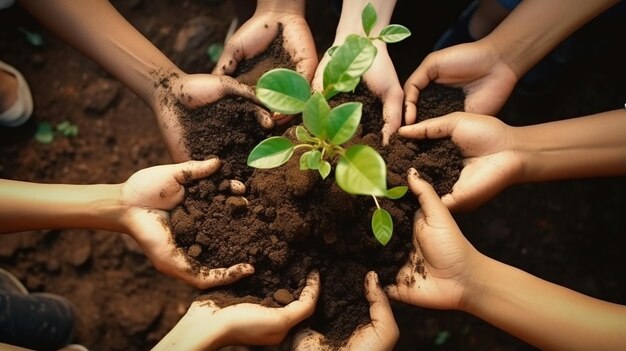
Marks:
<point>98,30</point>
<point>139,207</point>
<point>589,146</point>
<point>489,68</point>
<point>454,275</point>
<point>522,46</point>
<point>381,78</point>
<point>497,155</point>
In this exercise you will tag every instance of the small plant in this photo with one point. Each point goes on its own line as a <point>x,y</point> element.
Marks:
<point>214,51</point>
<point>360,169</point>
<point>45,132</point>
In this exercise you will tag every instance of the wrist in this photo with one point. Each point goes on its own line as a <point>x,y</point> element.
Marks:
<point>294,7</point>
<point>350,20</point>
<point>475,288</point>
<point>193,332</point>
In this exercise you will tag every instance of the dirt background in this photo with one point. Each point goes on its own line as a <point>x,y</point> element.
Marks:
<point>569,232</point>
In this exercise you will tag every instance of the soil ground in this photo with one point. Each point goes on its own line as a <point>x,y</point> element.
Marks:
<point>568,232</point>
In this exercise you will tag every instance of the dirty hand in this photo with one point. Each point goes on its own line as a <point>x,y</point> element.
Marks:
<point>256,35</point>
<point>382,80</point>
<point>478,69</point>
<point>442,260</point>
<point>147,197</point>
<point>205,326</point>
<point>177,92</point>
<point>381,334</point>
<point>491,160</point>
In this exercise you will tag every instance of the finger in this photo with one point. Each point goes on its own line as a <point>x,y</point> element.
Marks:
<point>430,203</point>
<point>192,170</point>
<point>228,61</point>
<point>304,307</point>
<point>264,118</point>
<point>393,292</point>
<point>233,87</point>
<point>380,311</point>
<point>209,278</point>
<point>432,128</point>
<point>412,88</point>
<point>308,340</point>
<point>392,114</point>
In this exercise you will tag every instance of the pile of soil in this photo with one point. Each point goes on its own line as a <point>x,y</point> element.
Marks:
<point>289,222</point>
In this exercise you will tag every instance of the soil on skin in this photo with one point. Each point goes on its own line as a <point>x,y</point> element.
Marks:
<point>289,221</point>
<point>567,232</point>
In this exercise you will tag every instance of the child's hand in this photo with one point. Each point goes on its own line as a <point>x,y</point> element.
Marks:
<point>208,327</point>
<point>443,260</point>
<point>147,197</point>
<point>491,161</point>
<point>381,334</point>
<point>193,91</point>
<point>256,35</point>
<point>486,80</point>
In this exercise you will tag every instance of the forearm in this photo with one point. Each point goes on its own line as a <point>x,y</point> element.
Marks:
<point>31,206</point>
<point>543,314</point>
<point>589,146</point>
<point>284,6</point>
<point>98,30</point>
<point>350,20</point>
<point>523,45</point>
<point>192,333</point>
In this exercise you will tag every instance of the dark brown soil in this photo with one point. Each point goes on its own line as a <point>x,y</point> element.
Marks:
<point>570,232</point>
<point>289,222</point>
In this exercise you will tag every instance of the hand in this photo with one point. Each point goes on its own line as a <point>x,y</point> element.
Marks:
<point>491,161</point>
<point>256,35</point>
<point>206,326</point>
<point>477,68</point>
<point>382,80</point>
<point>193,91</point>
<point>147,196</point>
<point>381,334</point>
<point>442,260</point>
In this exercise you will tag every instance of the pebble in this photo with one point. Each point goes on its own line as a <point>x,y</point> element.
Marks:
<point>283,296</point>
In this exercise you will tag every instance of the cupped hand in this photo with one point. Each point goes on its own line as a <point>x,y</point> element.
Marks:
<point>256,35</point>
<point>381,334</point>
<point>442,259</point>
<point>475,67</point>
<point>491,161</point>
<point>178,91</point>
<point>381,78</point>
<point>148,196</point>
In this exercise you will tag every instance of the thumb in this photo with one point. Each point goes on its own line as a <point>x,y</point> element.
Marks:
<point>192,170</point>
<point>432,128</point>
<point>430,202</point>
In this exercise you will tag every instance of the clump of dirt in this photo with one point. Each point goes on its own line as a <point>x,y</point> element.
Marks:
<point>288,222</point>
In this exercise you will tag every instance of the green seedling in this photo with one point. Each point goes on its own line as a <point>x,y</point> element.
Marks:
<point>34,38</point>
<point>360,169</point>
<point>45,132</point>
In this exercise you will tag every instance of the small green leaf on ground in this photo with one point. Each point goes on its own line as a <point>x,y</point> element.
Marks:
<point>44,133</point>
<point>271,152</point>
<point>34,38</point>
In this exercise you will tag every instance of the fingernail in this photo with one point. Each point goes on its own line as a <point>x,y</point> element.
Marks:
<point>413,173</point>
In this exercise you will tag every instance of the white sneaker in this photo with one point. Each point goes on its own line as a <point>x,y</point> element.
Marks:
<point>22,109</point>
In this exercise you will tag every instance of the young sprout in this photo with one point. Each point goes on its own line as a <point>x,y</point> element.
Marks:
<point>360,169</point>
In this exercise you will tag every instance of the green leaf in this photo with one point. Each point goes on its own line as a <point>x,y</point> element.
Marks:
<point>350,61</point>
<point>303,135</point>
<point>361,171</point>
<point>382,225</point>
<point>304,162</point>
<point>315,115</point>
<point>283,90</point>
<point>397,192</point>
<point>368,18</point>
<point>33,38</point>
<point>67,129</point>
<point>324,169</point>
<point>44,133</point>
<point>313,159</point>
<point>343,122</point>
<point>394,33</point>
<point>271,152</point>
<point>215,51</point>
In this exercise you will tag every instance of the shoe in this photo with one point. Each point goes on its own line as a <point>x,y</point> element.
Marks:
<point>10,284</point>
<point>22,109</point>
